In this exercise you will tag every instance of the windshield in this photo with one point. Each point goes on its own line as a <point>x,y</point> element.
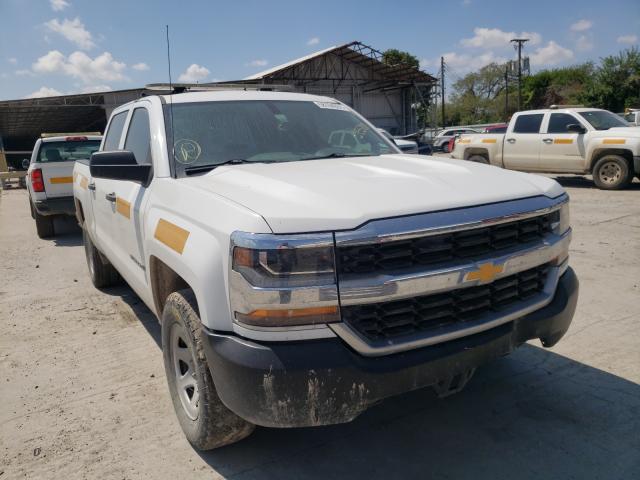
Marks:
<point>67,151</point>
<point>212,133</point>
<point>603,120</point>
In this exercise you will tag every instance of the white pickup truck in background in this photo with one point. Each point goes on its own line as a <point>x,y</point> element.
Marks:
<point>561,140</point>
<point>50,175</point>
<point>300,279</point>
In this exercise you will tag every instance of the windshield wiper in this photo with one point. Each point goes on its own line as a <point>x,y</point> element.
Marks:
<point>337,155</point>
<point>211,166</point>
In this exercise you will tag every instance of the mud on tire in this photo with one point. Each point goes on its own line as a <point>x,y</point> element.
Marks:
<point>206,421</point>
<point>612,172</point>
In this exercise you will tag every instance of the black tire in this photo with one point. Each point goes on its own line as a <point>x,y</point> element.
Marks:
<point>102,273</point>
<point>206,421</point>
<point>478,159</point>
<point>44,225</point>
<point>612,172</point>
<point>445,147</point>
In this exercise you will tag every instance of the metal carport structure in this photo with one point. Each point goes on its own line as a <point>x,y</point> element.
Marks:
<point>353,73</point>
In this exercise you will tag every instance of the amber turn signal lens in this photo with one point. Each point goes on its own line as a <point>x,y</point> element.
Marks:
<point>291,317</point>
<point>242,257</point>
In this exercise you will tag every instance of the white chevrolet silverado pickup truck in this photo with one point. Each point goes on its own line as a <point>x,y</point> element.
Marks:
<point>299,282</point>
<point>49,176</point>
<point>561,140</point>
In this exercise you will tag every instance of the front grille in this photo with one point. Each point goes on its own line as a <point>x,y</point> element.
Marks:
<point>434,249</point>
<point>430,312</point>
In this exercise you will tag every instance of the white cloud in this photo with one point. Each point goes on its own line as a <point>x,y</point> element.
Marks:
<point>79,65</point>
<point>13,60</point>
<point>628,39</point>
<point>462,62</point>
<point>96,88</point>
<point>44,92</point>
<point>584,43</point>
<point>496,38</point>
<point>581,25</point>
<point>141,67</point>
<point>23,72</point>
<point>72,30</point>
<point>551,54</point>
<point>313,41</point>
<point>257,63</point>
<point>194,74</point>
<point>59,5</point>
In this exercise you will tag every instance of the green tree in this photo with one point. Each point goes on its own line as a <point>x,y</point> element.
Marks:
<point>557,86</point>
<point>399,57</point>
<point>616,83</point>
<point>478,97</point>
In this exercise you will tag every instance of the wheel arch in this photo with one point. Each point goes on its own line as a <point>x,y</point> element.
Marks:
<point>476,151</point>
<point>79,211</point>
<point>601,152</point>
<point>164,281</point>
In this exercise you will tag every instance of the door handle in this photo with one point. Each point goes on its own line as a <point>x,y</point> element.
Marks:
<point>547,140</point>
<point>111,196</point>
<point>511,140</point>
<point>92,186</point>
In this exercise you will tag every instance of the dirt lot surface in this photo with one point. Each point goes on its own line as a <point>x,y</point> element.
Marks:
<point>83,393</point>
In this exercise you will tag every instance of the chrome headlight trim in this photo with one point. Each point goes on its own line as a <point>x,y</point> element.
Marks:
<point>280,300</point>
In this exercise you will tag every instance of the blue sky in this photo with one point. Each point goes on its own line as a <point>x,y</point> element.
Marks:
<point>69,46</point>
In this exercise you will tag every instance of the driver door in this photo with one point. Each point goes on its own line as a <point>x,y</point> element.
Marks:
<point>562,150</point>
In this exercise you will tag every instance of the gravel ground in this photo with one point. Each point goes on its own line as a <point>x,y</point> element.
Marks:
<point>84,396</point>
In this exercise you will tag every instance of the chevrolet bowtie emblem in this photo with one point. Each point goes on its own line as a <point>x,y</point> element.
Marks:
<point>485,272</point>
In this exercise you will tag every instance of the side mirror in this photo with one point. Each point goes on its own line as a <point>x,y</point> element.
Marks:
<point>576,128</point>
<point>25,163</point>
<point>119,165</point>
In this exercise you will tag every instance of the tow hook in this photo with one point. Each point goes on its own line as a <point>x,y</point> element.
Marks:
<point>453,384</point>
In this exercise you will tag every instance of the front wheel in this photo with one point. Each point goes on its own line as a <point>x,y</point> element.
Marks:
<point>612,172</point>
<point>445,147</point>
<point>205,420</point>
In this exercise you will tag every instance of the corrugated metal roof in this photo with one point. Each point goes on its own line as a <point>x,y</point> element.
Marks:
<point>358,53</point>
<point>268,72</point>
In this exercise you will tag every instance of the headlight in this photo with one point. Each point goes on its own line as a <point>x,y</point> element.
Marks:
<point>561,220</point>
<point>283,280</point>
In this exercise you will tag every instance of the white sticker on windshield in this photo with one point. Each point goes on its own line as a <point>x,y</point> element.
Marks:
<point>332,105</point>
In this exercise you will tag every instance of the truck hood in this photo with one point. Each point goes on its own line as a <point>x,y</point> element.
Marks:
<point>343,193</point>
<point>626,132</point>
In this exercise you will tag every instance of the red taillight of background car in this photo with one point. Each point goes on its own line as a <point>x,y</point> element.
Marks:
<point>452,143</point>
<point>37,182</point>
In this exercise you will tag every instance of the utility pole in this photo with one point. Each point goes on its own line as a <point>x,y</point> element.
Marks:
<point>506,92</point>
<point>518,43</point>
<point>442,88</point>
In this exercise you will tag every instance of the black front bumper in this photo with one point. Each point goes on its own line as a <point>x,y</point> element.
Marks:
<point>322,382</point>
<point>55,206</point>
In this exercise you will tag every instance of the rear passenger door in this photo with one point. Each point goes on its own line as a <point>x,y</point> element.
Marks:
<point>130,198</point>
<point>561,150</point>
<point>521,149</point>
<point>101,189</point>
